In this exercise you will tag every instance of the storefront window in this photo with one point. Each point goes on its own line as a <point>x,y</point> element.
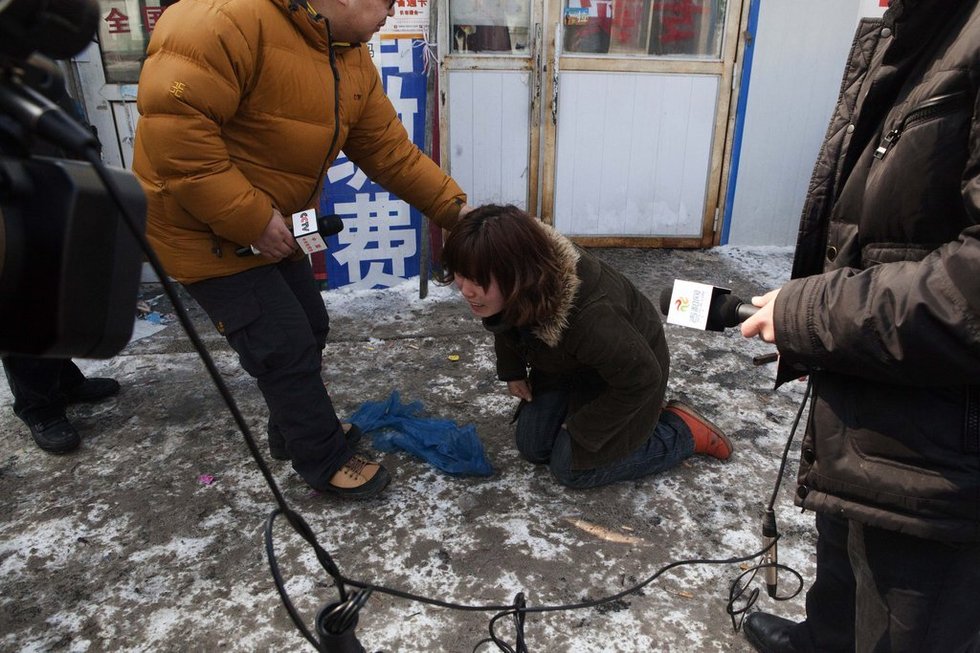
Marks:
<point>685,28</point>
<point>490,26</point>
<point>124,31</point>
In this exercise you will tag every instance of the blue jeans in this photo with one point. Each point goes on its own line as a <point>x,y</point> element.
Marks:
<point>541,439</point>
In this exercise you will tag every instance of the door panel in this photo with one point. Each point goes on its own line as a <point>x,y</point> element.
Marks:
<point>490,126</point>
<point>633,152</point>
<point>489,97</point>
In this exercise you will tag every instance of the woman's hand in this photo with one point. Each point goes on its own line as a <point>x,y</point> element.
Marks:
<point>520,389</point>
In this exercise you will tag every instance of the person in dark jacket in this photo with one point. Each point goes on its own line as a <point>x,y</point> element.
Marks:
<point>883,314</point>
<point>580,346</point>
<point>43,388</point>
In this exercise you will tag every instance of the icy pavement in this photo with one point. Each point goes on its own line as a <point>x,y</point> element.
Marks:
<point>149,538</point>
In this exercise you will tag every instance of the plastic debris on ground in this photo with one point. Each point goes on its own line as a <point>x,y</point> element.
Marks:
<point>448,447</point>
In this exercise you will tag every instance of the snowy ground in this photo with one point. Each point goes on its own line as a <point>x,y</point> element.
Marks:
<point>149,538</point>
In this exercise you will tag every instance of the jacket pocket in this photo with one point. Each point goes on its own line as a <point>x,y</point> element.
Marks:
<point>931,109</point>
<point>877,253</point>
<point>231,307</point>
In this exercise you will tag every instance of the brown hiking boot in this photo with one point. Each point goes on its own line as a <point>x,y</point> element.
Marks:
<point>708,438</point>
<point>359,478</point>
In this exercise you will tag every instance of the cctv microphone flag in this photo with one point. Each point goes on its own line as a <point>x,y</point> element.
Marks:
<point>306,233</point>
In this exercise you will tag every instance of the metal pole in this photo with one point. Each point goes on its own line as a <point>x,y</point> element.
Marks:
<point>425,255</point>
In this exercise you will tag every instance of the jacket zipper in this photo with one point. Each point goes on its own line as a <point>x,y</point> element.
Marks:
<point>971,422</point>
<point>931,108</point>
<point>336,117</point>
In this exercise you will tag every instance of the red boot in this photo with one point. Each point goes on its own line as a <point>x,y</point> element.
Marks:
<point>708,438</point>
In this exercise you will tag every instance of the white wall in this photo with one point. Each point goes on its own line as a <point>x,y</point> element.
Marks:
<point>871,8</point>
<point>800,50</point>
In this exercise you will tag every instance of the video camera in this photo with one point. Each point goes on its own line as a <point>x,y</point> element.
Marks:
<point>69,265</point>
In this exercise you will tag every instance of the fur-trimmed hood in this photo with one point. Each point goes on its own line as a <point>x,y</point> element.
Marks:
<point>568,255</point>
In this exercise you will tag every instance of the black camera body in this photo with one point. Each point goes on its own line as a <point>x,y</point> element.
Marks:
<point>69,264</point>
<point>70,270</point>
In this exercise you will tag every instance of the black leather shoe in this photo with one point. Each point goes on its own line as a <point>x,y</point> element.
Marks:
<point>277,443</point>
<point>91,390</point>
<point>55,435</point>
<point>768,633</point>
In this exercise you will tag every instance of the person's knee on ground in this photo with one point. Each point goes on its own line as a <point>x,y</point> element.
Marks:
<point>565,475</point>
<point>531,451</point>
<point>571,479</point>
<point>538,424</point>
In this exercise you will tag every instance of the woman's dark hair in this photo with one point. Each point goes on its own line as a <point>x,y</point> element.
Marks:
<point>506,244</point>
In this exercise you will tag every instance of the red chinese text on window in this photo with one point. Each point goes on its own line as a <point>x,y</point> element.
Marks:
<point>678,19</point>
<point>118,21</point>
<point>150,17</point>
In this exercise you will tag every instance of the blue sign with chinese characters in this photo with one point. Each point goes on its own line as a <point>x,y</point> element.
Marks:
<point>379,246</point>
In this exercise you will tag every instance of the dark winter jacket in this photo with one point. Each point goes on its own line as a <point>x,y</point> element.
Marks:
<point>244,104</point>
<point>606,345</point>
<point>884,308</point>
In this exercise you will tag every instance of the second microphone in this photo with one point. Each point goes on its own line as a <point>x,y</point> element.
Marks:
<point>686,302</point>
<point>327,225</point>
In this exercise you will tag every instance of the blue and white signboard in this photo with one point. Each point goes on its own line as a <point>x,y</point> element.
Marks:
<point>379,246</point>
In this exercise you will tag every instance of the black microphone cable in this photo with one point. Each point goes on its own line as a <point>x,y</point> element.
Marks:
<point>769,566</point>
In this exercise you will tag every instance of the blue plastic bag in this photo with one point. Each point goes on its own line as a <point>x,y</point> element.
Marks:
<point>448,447</point>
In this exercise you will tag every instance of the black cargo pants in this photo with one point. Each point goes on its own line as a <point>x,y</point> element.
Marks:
<point>274,318</point>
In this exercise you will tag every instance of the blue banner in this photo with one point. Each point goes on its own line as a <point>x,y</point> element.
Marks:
<point>379,246</point>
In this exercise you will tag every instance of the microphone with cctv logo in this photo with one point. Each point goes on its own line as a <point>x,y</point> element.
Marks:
<point>307,238</point>
<point>704,307</point>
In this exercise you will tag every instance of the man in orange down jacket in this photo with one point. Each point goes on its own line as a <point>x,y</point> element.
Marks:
<point>244,104</point>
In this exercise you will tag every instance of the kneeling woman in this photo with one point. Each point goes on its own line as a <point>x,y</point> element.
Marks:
<point>581,347</point>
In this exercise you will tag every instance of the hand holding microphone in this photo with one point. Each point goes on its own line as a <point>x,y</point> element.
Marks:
<point>309,234</point>
<point>710,308</point>
<point>762,322</point>
<point>704,307</point>
<point>276,241</point>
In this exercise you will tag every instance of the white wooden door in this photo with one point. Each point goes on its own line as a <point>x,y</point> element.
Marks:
<point>489,98</point>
